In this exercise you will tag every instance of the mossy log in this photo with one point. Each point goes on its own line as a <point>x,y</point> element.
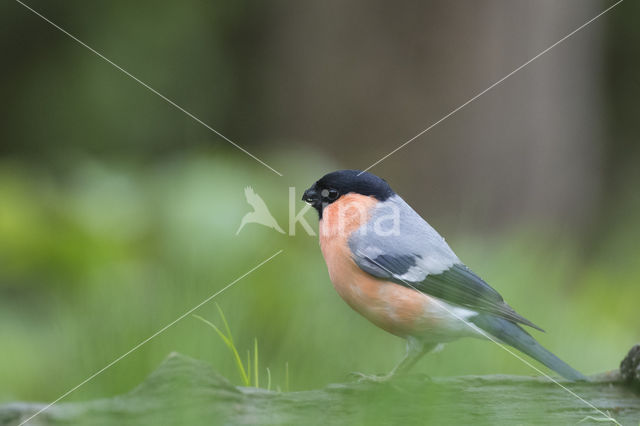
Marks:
<point>185,391</point>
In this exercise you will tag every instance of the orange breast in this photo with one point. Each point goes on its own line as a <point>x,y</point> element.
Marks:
<point>394,308</point>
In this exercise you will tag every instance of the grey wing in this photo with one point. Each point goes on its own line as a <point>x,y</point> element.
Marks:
<point>398,245</point>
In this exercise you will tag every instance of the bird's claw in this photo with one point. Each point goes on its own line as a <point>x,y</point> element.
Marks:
<point>372,378</point>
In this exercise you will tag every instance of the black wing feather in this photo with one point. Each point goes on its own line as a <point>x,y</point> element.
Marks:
<point>458,285</point>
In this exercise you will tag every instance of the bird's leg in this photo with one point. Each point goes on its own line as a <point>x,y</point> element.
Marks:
<point>416,349</point>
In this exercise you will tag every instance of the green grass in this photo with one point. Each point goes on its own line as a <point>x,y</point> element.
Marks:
<point>247,379</point>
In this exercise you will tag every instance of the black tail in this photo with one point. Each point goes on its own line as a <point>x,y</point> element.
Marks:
<point>513,335</point>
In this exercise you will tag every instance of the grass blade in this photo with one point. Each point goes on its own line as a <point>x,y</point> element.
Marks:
<point>227,340</point>
<point>286,377</point>
<point>268,379</point>
<point>249,366</point>
<point>224,321</point>
<point>255,361</point>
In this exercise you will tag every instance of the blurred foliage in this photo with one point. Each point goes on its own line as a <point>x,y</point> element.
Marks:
<point>118,214</point>
<point>97,260</point>
<point>54,81</point>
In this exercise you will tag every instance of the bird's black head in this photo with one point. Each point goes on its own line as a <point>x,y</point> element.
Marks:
<point>336,184</point>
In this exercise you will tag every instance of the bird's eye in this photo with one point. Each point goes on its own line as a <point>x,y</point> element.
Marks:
<point>329,194</point>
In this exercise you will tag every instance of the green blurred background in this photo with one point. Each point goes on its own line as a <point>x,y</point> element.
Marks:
<point>118,212</point>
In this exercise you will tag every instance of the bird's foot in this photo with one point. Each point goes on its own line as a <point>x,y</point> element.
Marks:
<point>371,378</point>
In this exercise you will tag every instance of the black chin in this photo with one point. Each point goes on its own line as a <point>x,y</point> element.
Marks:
<point>316,204</point>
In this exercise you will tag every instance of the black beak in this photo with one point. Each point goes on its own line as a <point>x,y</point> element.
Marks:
<point>310,196</point>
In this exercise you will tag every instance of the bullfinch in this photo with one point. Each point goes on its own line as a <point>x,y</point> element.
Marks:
<point>394,269</point>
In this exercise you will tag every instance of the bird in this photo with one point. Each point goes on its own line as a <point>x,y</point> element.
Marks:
<point>260,213</point>
<point>393,268</point>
